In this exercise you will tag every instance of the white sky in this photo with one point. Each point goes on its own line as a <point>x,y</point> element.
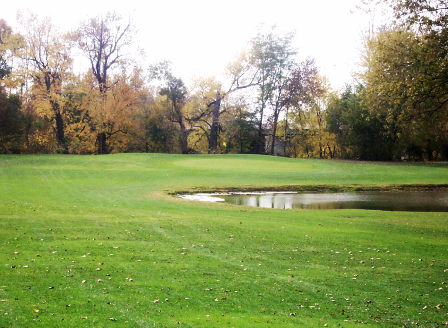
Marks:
<point>201,36</point>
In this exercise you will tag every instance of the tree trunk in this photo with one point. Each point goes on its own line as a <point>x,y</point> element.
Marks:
<point>261,144</point>
<point>184,137</point>
<point>274,131</point>
<point>101,139</point>
<point>58,117</point>
<point>330,151</point>
<point>60,132</point>
<point>286,133</point>
<point>213,141</point>
<point>260,141</point>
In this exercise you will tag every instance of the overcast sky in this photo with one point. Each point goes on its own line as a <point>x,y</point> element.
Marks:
<point>201,36</point>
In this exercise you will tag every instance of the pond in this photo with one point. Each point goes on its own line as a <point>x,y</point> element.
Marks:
<point>369,200</point>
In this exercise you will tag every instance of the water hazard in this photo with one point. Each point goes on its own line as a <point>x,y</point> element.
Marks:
<point>372,200</point>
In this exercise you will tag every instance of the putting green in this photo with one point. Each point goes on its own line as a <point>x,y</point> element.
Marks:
<point>258,164</point>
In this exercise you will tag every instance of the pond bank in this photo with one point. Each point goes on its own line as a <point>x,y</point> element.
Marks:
<point>327,188</point>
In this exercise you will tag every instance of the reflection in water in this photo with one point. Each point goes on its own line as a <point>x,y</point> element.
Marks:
<point>386,201</point>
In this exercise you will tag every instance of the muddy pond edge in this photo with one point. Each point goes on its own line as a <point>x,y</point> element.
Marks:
<point>327,188</point>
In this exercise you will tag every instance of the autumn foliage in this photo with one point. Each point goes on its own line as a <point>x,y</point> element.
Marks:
<point>267,102</point>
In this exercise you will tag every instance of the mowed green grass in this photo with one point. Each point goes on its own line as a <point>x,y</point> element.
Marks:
<point>96,241</point>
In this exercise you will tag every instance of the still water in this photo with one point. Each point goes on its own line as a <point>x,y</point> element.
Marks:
<point>386,201</point>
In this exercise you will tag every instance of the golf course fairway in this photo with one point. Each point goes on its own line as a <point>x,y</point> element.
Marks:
<point>101,241</point>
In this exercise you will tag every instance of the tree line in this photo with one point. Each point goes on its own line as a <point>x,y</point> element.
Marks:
<point>399,109</point>
<point>268,102</point>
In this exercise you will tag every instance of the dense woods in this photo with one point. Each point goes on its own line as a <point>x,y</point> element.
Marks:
<point>267,102</point>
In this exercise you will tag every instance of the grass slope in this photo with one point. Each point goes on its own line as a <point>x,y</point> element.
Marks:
<point>96,241</point>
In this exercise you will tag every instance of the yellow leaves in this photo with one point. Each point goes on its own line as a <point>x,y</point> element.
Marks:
<point>43,107</point>
<point>240,62</point>
<point>204,89</point>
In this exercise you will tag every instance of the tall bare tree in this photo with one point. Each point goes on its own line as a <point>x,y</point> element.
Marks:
<point>103,40</point>
<point>274,55</point>
<point>243,74</point>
